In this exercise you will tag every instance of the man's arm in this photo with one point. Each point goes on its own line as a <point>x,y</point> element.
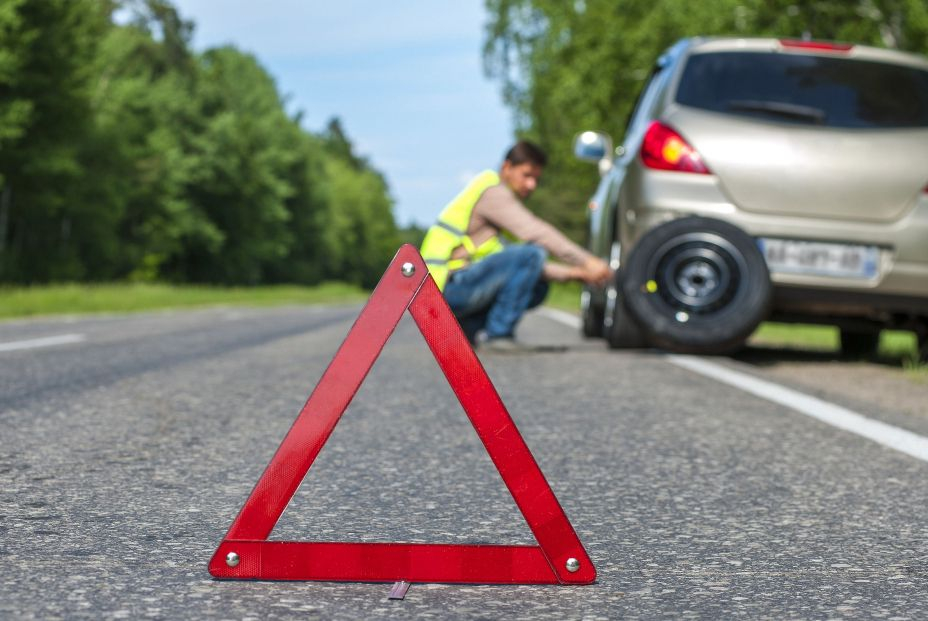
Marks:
<point>596,272</point>
<point>502,209</point>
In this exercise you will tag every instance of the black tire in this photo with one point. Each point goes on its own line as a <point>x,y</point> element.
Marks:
<point>697,285</point>
<point>921,334</point>
<point>621,331</point>
<point>856,344</point>
<point>590,314</point>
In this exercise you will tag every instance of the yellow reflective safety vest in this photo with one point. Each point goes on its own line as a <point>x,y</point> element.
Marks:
<point>451,231</point>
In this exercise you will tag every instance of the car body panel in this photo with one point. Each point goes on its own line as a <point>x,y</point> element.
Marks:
<point>777,168</point>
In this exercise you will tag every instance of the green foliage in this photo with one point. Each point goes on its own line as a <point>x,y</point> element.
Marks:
<point>570,66</point>
<point>46,60</point>
<point>412,234</point>
<point>358,217</point>
<point>124,154</point>
<point>146,120</point>
<point>241,158</point>
<point>14,108</point>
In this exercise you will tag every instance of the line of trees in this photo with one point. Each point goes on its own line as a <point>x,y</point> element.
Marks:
<point>570,65</point>
<point>125,154</point>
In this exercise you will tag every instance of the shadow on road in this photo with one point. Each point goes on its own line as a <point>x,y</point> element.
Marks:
<point>775,355</point>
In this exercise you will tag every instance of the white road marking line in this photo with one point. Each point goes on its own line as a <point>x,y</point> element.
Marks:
<point>835,415</point>
<point>888,435</point>
<point>558,315</point>
<point>47,341</point>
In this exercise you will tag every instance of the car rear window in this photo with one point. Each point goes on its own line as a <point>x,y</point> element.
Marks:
<point>835,92</point>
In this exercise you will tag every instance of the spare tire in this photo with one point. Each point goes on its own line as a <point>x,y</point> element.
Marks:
<point>921,333</point>
<point>697,285</point>
<point>591,315</point>
<point>619,328</point>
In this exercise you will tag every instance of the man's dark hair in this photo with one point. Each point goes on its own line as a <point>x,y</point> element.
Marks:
<point>525,151</point>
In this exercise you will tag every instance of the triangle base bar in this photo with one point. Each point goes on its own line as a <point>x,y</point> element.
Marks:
<point>382,562</point>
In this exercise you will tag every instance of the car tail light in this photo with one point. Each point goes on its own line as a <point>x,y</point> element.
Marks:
<point>818,46</point>
<point>665,149</point>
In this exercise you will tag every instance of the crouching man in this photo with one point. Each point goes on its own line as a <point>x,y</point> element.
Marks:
<point>488,253</point>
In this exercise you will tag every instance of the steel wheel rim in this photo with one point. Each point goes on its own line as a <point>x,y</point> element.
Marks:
<point>697,273</point>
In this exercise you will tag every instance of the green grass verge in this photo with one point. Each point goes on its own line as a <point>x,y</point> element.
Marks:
<point>893,343</point>
<point>564,296</point>
<point>125,298</point>
<point>897,347</point>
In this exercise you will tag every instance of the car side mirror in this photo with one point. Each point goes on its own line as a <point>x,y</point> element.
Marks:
<point>595,147</point>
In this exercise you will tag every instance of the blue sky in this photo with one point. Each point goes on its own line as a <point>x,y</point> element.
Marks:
<point>404,76</point>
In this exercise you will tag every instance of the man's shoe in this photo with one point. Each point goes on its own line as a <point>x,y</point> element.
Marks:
<point>506,345</point>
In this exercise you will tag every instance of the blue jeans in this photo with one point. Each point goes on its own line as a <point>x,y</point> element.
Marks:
<point>494,293</point>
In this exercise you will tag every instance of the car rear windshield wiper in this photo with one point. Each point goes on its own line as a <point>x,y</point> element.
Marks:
<point>779,108</point>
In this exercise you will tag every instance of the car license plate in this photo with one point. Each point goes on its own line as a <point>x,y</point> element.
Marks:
<point>819,258</point>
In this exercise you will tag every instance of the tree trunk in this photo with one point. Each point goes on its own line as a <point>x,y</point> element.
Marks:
<point>5,198</point>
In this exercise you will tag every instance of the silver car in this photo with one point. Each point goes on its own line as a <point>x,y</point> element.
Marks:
<point>764,179</point>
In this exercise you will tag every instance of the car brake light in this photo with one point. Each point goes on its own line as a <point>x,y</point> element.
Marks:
<point>665,149</point>
<point>819,46</point>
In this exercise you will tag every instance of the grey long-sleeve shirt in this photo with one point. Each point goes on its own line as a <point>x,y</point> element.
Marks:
<point>499,209</point>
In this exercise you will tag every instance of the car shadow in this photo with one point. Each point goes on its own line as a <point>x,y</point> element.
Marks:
<point>774,355</point>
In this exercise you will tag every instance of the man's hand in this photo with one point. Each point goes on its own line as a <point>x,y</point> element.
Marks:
<point>594,272</point>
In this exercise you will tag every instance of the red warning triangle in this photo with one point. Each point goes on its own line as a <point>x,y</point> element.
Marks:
<point>246,553</point>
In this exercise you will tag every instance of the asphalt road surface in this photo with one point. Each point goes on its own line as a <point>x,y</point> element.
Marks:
<point>129,443</point>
